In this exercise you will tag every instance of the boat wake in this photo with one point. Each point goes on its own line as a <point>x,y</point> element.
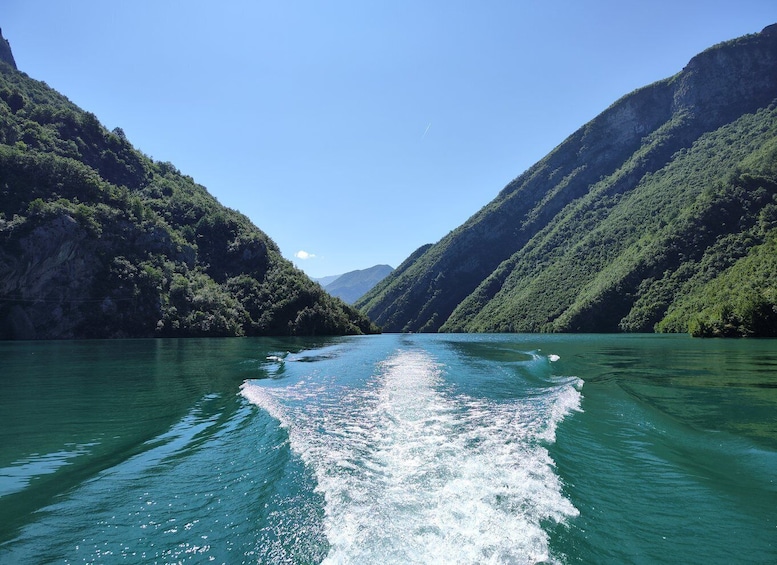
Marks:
<point>412,472</point>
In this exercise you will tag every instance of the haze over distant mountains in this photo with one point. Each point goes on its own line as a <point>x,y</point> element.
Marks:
<point>658,214</point>
<point>352,285</point>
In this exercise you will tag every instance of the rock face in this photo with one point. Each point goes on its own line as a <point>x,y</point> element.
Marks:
<point>46,274</point>
<point>6,56</point>
<point>502,269</point>
<point>729,79</point>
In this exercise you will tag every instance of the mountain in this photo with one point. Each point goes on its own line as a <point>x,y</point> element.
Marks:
<point>99,240</point>
<point>660,214</point>
<point>354,284</point>
<point>324,281</point>
<point>6,55</point>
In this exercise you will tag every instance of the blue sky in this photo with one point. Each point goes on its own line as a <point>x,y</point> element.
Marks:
<point>355,132</point>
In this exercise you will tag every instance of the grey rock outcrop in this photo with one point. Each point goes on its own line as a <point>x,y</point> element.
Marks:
<point>6,55</point>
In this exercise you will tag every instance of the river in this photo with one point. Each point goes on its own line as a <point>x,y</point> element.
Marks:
<point>390,449</point>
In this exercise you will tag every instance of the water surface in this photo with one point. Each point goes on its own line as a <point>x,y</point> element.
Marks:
<point>389,449</point>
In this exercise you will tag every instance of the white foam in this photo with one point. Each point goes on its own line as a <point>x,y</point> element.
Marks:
<point>412,473</point>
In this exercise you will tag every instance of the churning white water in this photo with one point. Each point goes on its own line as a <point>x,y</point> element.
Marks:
<point>412,472</point>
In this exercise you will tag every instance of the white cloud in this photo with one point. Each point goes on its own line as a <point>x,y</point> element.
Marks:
<point>304,255</point>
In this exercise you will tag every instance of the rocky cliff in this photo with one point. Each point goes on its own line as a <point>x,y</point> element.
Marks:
<point>6,56</point>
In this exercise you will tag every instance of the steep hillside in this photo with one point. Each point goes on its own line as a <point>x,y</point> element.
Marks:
<point>351,286</point>
<point>98,240</point>
<point>6,55</point>
<point>637,215</point>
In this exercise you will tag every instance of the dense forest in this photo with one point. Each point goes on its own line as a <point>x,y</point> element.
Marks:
<point>99,240</point>
<point>658,215</point>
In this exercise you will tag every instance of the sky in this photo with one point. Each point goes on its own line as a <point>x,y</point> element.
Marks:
<point>353,132</point>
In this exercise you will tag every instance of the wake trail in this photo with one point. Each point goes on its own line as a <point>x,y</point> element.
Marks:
<point>412,472</point>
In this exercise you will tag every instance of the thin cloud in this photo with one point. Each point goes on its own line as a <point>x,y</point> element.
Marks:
<point>304,255</point>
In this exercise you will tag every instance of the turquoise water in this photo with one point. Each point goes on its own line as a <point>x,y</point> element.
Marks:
<point>389,449</point>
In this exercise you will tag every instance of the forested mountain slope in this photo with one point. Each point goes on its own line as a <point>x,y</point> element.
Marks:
<point>658,214</point>
<point>98,240</point>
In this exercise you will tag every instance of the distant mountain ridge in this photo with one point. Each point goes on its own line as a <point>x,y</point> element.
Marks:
<point>323,281</point>
<point>98,240</point>
<point>354,284</point>
<point>658,214</point>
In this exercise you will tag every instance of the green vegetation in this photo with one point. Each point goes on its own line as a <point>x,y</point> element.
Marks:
<point>99,240</point>
<point>658,215</point>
